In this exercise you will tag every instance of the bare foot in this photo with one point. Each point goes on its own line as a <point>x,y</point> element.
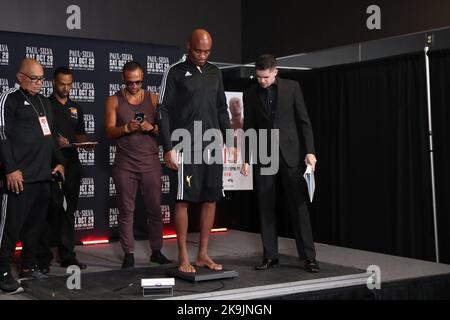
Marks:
<point>185,266</point>
<point>207,262</point>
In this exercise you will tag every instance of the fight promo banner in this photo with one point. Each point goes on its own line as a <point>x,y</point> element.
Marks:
<point>96,67</point>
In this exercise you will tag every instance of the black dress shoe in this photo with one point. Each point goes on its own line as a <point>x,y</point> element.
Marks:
<point>128,261</point>
<point>73,262</point>
<point>158,257</point>
<point>312,266</point>
<point>266,264</point>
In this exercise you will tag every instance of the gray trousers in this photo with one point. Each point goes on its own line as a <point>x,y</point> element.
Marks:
<point>127,185</point>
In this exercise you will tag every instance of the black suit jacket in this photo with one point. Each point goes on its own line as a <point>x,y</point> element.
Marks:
<point>291,118</point>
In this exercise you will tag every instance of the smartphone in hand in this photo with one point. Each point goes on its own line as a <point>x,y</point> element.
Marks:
<point>139,117</point>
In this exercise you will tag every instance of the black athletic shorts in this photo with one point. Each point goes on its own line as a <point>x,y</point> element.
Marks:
<point>199,182</point>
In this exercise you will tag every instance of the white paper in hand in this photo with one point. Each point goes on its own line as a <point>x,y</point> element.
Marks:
<point>310,181</point>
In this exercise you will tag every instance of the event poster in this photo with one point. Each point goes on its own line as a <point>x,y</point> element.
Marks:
<point>232,178</point>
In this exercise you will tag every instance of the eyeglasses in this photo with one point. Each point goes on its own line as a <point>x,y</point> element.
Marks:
<point>34,79</point>
<point>130,83</point>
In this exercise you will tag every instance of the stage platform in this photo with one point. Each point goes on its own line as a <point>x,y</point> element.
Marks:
<point>343,274</point>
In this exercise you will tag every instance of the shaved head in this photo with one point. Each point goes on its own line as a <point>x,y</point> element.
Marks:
<point>200,35</point>
<point>30,75</point>
<point>199,46</point>
<point>29,65</point>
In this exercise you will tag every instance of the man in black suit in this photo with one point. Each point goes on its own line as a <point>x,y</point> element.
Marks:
<point>276,103</point>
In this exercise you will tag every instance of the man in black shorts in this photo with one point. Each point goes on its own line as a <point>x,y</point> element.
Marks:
<point>192,96</point>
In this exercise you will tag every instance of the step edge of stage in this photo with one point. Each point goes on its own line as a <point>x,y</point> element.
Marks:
<point>280,289</point>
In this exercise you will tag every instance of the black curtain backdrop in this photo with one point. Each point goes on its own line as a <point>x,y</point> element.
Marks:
<point>440,102</point>
<point>373,173</point>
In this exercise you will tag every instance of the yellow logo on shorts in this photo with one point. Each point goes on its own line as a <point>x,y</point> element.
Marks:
<point>188,180</point>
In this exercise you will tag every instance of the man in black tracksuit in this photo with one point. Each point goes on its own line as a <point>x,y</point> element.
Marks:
<point>68,118</point>
<point>192,94</point>
<point>29,155</point>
